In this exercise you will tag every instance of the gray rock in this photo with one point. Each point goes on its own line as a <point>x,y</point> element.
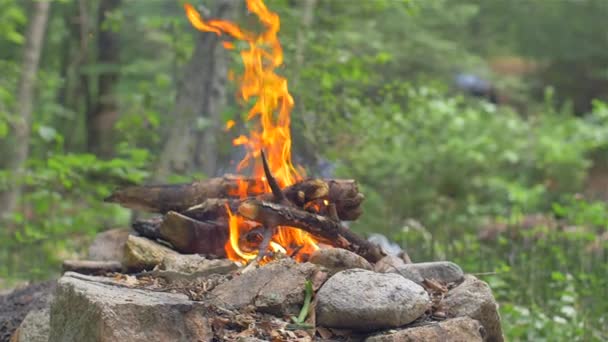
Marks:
<point>196,264</point>
<point>15,306</point>
<point>109,245</point>
<point>365,301</point>
<point>85,310</point>
<point>389,263</point>
<point>338,259</point>
<point>441,271</point>
<point>35,327</point>
<point>276,288</point>
<point>462,329</point>
<point>141,253</point>
<point>473,298</point>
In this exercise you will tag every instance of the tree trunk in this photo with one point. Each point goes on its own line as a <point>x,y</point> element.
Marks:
<point>306,149</point>
<point>104,113</point>
<point>75,93</point>
<point>22,124</point>
<point>200,96</point>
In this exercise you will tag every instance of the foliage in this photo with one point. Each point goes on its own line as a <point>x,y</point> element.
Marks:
<point>459,163</point>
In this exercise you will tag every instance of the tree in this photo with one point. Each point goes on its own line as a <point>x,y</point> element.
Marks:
<point>192,139</point>
<point>22,124</point>
<point>104,112</point>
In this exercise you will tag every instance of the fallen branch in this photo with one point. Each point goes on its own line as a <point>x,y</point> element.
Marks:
<point>323,228</point>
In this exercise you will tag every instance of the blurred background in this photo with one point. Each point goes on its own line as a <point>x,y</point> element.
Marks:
<point>477,130</point>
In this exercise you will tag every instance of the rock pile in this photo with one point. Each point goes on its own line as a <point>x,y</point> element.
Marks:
<point>336,295</point>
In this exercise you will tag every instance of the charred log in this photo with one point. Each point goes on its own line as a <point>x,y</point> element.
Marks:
<point>164,198</point>
<point>179,197</point>
<point>149,228</point>
<point>323,228</point>
<point>191,236</point>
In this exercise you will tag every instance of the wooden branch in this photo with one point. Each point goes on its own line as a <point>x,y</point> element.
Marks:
<point>179,197</point>
<point>164,198</point>
<point>278,195</point>
<point>91,267</point>
<point>324,229</point>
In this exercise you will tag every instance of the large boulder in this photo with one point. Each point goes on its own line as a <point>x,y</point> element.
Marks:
<point>462,329</point>
<point>86,310</point>
<point>109,245</point>
<point>365,301</point>
<point>277,288</point>
<point>473,298</point>
<point>338,259</point>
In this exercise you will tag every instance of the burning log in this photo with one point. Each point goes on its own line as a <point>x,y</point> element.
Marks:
<point>179,197</point>
<point>164,198</point>
<point>326,230</point>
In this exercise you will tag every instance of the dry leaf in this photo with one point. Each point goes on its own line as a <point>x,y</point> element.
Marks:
<point>324,333</point>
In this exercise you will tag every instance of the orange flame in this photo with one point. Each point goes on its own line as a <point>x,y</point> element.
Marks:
<point>270,133</point>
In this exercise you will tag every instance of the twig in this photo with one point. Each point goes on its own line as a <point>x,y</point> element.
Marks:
<point>267,236</point>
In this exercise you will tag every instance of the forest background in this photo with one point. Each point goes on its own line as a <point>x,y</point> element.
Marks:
<point>477,130</point>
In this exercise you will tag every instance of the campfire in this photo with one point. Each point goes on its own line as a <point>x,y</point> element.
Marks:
<point>264,254</point>
<point>275,210</point>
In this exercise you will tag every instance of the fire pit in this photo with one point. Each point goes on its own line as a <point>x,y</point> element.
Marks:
<point>264,256</point>
<point>275,210</point>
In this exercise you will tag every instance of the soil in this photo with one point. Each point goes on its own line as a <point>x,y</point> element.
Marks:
<point>15,305</point>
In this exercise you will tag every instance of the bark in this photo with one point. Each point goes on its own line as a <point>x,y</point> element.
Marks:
<point>91,267</point>
<point>179,197</point>
<point>343,193</point>
<point>200,96</point>
<point>324,229</point>
<point>191,236</point>
<point>22,125</point>
<point>104,112</point>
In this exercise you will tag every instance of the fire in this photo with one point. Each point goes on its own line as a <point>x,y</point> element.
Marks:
<point>270,118</point>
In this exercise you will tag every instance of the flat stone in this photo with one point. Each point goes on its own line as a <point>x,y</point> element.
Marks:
<point>473,298</point>
<point>442,271</point>
<point>366,301</point>
<point>338,259</point>
<point>462,329</point>
<point>109,245</point>
<point>35,327</point>
<point>85,310</point>
<point>277,288</point>
<point>141,253</point>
